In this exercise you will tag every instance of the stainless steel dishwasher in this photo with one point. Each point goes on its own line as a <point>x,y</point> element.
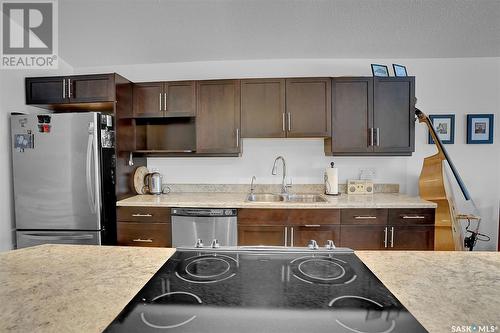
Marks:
<point>191,224</point>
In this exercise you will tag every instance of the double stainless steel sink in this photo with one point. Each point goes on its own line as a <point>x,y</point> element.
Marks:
<point>270,197</point>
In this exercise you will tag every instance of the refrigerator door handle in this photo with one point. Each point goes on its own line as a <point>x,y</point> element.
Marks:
<point>58,237</point>
<point>97,167</point>
<point>88,169</point>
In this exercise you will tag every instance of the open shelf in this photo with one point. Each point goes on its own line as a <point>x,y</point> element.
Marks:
<point>166,135</point>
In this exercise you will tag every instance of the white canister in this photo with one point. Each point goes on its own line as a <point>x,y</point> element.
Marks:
<point>332,180</point>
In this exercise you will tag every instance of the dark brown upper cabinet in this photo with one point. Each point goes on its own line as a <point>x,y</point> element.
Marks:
<point>165,99</point>
<point>263,108</point>
<point>372,116</point>
<point>394,115</point>
<point>71,89</point>
<point>352,115</point>
<point>218,117</point>
<point>46,90</point>
<point>279,108</point>
<point>308,107</point>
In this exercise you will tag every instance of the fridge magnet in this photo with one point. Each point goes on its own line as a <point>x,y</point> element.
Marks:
<point>380,70</point>
<point>479,128</point>
<point>399,70</point>
<point>444,125</point>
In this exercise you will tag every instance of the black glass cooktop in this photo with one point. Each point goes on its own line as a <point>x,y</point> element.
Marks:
<point>274,290</point>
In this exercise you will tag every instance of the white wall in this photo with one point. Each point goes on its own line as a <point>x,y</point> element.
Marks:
<point>12,99</point>
<point>456,85</point>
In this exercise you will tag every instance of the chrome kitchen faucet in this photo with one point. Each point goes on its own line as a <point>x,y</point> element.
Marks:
<point>284,185</point>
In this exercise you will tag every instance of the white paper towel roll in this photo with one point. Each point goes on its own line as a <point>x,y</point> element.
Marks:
<point>332,181</point>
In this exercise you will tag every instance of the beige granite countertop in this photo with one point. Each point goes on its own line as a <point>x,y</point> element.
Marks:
<point>82,288</point>
<point>442,289</point>
<point>237,200</point>
<point>72,288</point>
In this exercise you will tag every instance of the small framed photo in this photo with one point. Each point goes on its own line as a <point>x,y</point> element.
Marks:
<point>380,70</point>
<point>444,124</point>
<point>399,70</point>
<point>479,128</point>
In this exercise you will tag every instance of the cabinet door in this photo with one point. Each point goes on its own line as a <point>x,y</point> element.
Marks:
<point>46,90</point>
<point>364,237</point>
<point>301,235</point>
<point>148,99</point>
<point>352,115</point>
<point>411,237</point>
<point>308,107</point>
<point>263,108</point>
<point>91,88</point>
<point>262,235</point>
<point>144,234</point>
<point>394,115</point>
<point>179,98</point>
<point>218,117</point>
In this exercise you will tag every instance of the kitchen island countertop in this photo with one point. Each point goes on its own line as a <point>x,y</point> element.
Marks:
<point>237,200</point>
<point>78,288</point>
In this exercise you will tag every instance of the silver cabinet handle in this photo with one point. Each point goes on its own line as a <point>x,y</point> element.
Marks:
<point>237,137</point>
<point>312,225</point>
<point>291,236</point>
<point>64,88</point>
<point>286,235</point>
<point>165,102</point>
<point>392,236</point>
<point>142,215</point>
<point>69,88</point>
<point>160,102</point>
<point>283,120</point>
<point>385,237</point>
<point>289,121</point>
<point>371,136</point>
<point>413,217</point>
<point>365,217</point>
<point>378,137</point>
<point>138,240</point>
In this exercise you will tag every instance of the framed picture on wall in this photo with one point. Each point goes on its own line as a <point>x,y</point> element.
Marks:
<point>479,128</point>
<point>399,70</point>
<point>380,70</point>
<point>444,124</point>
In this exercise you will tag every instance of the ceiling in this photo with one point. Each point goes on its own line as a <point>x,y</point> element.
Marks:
<point>119,32</point>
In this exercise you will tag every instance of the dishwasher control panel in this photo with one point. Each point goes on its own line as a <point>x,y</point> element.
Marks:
<point>213,212</point>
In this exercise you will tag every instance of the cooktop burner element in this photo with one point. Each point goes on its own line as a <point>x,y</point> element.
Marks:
<point>322,270</point>
<point>157,320</point>
<point>248,290</point>
<point>366,308</point>
<point>210,268</point>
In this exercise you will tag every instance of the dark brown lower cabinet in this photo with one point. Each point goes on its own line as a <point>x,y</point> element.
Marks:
<point>363,237</point>
<point>301,235</point>
<point>144,234</point>
<point>411,237</point>
<point>144,226</point>
<point>261,235</point>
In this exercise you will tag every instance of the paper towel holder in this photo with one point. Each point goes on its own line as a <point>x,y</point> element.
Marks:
<point>330,184</point>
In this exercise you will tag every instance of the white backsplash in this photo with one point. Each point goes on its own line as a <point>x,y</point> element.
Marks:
<point>305,160</point>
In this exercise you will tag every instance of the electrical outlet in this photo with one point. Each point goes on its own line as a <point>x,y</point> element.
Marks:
<point>367,173</point>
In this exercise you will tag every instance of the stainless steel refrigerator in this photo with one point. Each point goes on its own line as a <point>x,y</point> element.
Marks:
<point>64,178</point>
